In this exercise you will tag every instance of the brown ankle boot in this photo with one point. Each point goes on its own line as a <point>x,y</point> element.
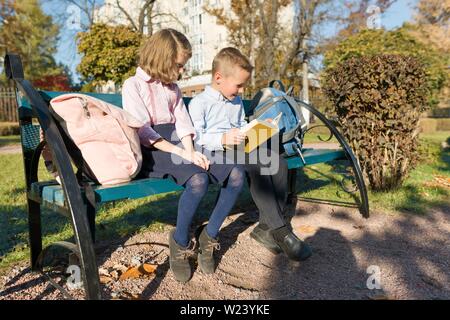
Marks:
<point>206,251</point>
<point>178,259</point>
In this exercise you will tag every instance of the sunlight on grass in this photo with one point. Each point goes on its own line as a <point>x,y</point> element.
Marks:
<point>417,195</point>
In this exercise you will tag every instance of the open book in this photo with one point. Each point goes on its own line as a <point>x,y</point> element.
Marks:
<point>257,132</point>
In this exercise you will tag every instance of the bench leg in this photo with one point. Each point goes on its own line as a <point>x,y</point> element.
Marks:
<point>91,211</point>
<point>292,179</point>
<point>34,231</point>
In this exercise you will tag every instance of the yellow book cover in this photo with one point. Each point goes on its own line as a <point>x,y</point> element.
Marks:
<point>257,132</point>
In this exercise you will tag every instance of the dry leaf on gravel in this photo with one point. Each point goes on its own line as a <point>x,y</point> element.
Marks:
<point>306,229</point>
<point>136,272</point>
<point>105,279</point>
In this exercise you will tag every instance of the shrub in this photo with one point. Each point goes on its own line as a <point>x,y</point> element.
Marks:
<point>9,128</point>
<point>378,100</point>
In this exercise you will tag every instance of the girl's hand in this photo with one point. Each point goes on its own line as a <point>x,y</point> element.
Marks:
<point>196,158</point>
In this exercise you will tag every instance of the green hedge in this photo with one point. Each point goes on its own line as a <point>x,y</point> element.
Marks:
<point>9,128</point>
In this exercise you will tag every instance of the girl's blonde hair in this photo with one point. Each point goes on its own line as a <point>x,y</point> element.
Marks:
<point>158,54</point>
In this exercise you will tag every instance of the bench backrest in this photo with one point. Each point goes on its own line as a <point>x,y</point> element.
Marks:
<point>113,98</point>
<point>30,135</point>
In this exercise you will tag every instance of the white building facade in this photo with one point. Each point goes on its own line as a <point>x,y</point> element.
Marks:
<point>189,17</point>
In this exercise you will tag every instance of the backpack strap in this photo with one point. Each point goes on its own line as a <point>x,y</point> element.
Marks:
<point>280,85</point>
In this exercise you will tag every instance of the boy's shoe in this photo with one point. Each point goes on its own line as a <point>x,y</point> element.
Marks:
<point>178,259</point>
<point>291,245</point>
<point>206,250</point>
<point>261,233</point>
<point>281,240</point>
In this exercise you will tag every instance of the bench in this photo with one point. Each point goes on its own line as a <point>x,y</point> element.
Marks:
<point>69,197</point>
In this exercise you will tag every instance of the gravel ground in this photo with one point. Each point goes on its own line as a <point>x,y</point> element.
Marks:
<point>410,252</point>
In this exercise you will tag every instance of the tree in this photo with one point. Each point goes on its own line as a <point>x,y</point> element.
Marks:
<point>276,49</point>
<point>142,18</point>
<point>109,53</point>
<point>243,28</point>
<point>431,27</point>
<point>372,42</point>
<point>431,24</point>
<point>27,31</point>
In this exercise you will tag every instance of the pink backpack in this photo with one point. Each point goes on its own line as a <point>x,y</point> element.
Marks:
<point>104,134</point>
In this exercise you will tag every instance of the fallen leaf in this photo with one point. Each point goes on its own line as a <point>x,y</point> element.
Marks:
<point>130,296</point>
<point>306,229</point>
<point>136,272</point>
<point>148,268</point>
<point>105,279</point>
<point>132,272</point>
<point>438,182</point>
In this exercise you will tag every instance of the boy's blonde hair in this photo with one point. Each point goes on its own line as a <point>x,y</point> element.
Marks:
<point>158,54</point>
<point>227,59</point>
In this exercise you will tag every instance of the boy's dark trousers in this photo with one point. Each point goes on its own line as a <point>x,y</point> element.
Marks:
<point>269,192</point>
<point>267,176</point>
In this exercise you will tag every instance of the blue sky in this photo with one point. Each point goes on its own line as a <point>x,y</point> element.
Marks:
<point>397,14</point>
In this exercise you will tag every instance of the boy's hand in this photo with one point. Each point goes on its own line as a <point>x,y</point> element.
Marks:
<point>233,136</point>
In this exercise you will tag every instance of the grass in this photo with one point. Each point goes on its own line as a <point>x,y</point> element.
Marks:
<point>124,218</point>
<point>418,194</point>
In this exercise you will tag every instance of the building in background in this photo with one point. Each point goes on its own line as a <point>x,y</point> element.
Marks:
<point>188,17</point>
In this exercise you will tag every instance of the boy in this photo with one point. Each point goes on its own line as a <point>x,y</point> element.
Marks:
<point>217,114</point>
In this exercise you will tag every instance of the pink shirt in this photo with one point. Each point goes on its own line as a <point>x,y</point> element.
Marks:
<point>153,102</point>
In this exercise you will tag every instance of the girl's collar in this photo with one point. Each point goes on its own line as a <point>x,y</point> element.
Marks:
<point>147,78</point>
<point>143,75</point>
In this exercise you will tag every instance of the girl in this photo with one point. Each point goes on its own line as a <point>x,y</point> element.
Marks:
<point>153,97</point>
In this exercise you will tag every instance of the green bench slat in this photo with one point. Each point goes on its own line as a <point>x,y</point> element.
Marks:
<point>52,194</point>
<point>313,156</point>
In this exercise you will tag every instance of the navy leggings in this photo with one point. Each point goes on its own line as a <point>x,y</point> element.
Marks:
<point>195,188</point>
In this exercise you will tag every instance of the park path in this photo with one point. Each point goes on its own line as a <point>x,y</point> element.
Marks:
<point>408,254</point>
<point>11,149</point>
